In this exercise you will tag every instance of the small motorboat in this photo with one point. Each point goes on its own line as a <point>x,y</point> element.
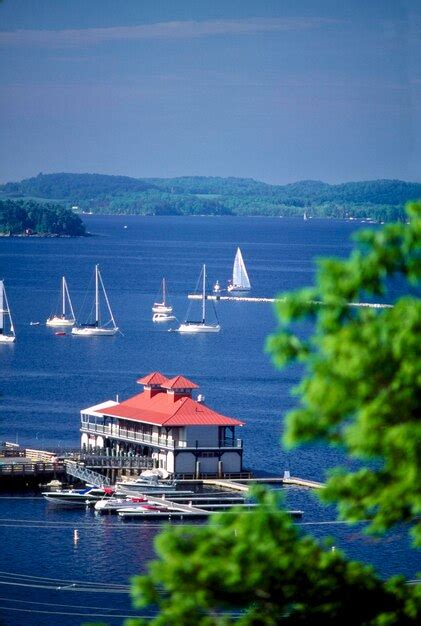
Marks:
<point>78,497</point>
<point>162,317</point>
<point>60,333</point>
<point>112,505</point>
<point>33,323</point>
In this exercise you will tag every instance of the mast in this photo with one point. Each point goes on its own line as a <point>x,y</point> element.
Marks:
<point>6,310</point>
<point>1,305</point>
<point>12,328</point>
<point>63,297</point>
<point>65,289</point>
<point>96,295</point>
<point>106,300</point>
<point>204,294</point>
<point>163,291</point>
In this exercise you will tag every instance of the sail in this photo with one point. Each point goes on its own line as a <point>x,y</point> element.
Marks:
<point>239,275</point>
<point>1,305</point>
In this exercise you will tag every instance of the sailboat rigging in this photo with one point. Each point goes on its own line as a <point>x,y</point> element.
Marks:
<point>62,319</point>
<point>6,336</point>
<point>240,280</point>
<point>97,327</point>
<point>200,326</point>
<point>162,310</point>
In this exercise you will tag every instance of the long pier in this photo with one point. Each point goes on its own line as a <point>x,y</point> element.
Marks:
<point>197,296</point>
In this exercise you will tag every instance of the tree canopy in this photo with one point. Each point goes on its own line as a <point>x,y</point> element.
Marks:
<point>20,217</point>
<point>360,392</point>
<point>381,200</point>
<point>363,365</point>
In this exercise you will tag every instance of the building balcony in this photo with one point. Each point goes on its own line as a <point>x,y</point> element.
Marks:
<point>123,434</point>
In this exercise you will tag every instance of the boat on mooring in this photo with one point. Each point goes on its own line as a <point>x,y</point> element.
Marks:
<point>7,329</point>
<point>77,497</point>
<point>201,325</point>
<point>63,319</point>
<point>163,306</point>
<point>98,328</point>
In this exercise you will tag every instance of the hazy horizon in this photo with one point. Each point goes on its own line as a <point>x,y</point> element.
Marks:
<point>291,182</point>
<point>277,92</point>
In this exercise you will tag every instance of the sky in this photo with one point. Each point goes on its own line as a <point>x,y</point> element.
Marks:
<point>275,90</point>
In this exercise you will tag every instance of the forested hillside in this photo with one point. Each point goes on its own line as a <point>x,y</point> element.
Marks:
<point>18,217</point>
<point>381,200</point>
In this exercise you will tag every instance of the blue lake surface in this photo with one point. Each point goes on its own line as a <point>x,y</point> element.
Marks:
<point>47,379</point>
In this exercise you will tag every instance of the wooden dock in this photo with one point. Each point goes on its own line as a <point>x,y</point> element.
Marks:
<point>246,482</point>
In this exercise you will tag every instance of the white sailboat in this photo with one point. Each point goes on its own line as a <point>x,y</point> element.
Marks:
<point>162,310</point>
<point>240,280</point>
<point>7,330</point>
<point>200,326</point>
<point>97,328</point>
<point>63,320</point>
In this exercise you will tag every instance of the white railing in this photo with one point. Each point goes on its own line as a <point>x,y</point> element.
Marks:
<point>139,437</point>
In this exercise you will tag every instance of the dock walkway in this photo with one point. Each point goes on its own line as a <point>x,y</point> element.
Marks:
<point>196,296</point>
<point>167,508</point>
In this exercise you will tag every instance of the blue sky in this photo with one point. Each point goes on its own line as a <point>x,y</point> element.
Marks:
<point>277,90</point>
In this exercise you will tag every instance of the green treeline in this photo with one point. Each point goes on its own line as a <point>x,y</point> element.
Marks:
<point>381,200</point>
<point>28,217</point>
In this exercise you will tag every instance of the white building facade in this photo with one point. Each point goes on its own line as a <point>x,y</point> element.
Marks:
<point>165,423</point>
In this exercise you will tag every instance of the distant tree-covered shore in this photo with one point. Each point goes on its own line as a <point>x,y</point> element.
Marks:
<point>380,200</point>
<point>20,217</point>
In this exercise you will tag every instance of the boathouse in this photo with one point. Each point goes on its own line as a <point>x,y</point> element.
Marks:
<point>165,423</point>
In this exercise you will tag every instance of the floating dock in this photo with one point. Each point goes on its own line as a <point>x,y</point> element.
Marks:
<point>197,296</point>
<point>169,509</point>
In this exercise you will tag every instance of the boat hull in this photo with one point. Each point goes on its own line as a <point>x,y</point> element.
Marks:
<point>198,328</point>
<point>7,338</point>
<point>162,317</point>
<point>94,332</point>
<point>160,308</point>
<point>237,289</point>
<point>58,321</point>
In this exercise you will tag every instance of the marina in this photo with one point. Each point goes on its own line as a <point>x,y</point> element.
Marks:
<point>48,381</point>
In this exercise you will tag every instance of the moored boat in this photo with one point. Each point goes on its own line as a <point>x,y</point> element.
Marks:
<point>63,319</point>
<point>202,325</point>
<point>7,329</point>
<point>76,497</point>
<point>98,328</point>
<point>163,306</point>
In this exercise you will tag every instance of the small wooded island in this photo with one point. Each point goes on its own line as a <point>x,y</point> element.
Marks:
<point>30,218</point>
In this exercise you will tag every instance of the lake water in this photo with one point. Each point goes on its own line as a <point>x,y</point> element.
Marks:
<point>47,379</point>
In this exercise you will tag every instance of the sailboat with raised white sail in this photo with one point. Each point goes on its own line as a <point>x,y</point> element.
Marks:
<point>98,328</point>
<point>7,330</point>
<point>200,326</point>
<point>63,319</point>
<point>240,280</point>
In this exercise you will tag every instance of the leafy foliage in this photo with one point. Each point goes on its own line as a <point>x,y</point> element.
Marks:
<point>361,392</point>
<point>255,568</point>
<point>363,380</point>
<point>201,195</point>
<point>18,217</point>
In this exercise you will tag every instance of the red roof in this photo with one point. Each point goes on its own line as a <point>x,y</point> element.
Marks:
<point>165,409</point>
<point>180,382</point>
<point>156,378</point>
